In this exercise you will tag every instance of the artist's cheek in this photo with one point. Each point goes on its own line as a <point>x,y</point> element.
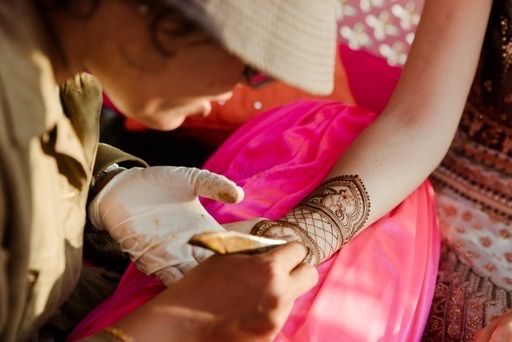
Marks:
<point>164,123</point>
<point>130,106</point>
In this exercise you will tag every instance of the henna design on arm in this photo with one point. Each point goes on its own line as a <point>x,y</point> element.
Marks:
<point>326,220</point>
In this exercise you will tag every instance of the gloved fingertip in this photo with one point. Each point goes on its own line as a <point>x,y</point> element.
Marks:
<point>234,194</point>
<point>218,187</point>
<point>169,275</point>
<point>240,194</point>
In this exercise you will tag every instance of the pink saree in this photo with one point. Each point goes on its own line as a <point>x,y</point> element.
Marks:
<point>378,288</point>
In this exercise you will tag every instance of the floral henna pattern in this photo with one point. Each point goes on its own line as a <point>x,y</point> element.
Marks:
<point>324,221</point>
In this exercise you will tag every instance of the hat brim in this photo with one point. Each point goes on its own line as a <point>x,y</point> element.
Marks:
<point>291,40</point>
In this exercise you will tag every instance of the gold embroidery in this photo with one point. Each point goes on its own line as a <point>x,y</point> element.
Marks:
<point>506,47</point>
<point>463,303</point>
<point>496,205</point>
<point>508,256</point>
<point>486,241</point>
<point>505,234</point>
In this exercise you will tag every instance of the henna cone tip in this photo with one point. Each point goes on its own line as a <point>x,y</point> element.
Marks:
<point>227,242</point>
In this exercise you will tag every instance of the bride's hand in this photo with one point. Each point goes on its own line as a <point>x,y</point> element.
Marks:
<point>243,226</point>
<point>499,330</point>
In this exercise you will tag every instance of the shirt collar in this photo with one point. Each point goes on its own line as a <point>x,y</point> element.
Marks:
<point>26,74</point>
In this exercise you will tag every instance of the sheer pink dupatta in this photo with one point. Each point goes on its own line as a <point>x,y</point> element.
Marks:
<point>378,288</point>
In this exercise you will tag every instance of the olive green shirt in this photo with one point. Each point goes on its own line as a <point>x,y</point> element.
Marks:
<point>49,152</point>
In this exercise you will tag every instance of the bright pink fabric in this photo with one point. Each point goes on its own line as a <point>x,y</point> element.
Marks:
<point>371,79</point>
<point>381,284</point>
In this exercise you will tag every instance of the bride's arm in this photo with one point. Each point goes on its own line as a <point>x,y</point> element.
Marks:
<point>399,150</point>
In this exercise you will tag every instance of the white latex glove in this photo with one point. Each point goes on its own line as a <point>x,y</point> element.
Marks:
<point>152,212</point>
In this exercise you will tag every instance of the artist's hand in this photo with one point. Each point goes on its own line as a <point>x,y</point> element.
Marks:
<point>499,330</point>
<point>226,298</point>
<point>153,212</point>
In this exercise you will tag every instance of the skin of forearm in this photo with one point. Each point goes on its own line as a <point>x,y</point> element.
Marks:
<point>396,153</point>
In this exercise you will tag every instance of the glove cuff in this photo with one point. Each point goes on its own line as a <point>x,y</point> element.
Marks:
<point>102,186</point>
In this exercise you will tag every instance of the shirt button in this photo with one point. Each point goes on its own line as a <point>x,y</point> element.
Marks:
<point>45,138</point>
<point>32,276</point>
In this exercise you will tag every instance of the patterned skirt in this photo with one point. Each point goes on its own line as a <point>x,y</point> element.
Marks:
<point>463,302</point>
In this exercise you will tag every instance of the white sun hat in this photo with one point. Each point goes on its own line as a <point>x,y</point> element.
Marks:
<point>291,40</point>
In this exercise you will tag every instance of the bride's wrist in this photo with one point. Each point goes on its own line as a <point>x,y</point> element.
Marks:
<point>290,231</point>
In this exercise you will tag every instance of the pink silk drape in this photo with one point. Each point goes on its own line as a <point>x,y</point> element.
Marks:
<point>378,288</point>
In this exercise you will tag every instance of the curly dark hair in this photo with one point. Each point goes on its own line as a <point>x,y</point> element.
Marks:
<point>165,21</point>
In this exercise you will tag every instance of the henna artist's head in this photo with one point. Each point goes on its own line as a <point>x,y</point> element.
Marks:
<point>163,60</point>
